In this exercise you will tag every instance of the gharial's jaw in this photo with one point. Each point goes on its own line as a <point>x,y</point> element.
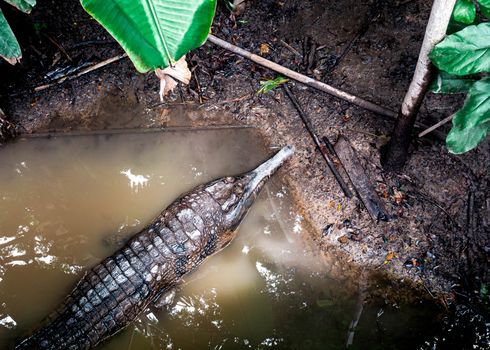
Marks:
<point>253,182</point>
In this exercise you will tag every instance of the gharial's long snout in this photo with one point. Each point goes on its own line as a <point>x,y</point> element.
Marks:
<point>255,180</point>
<point>268,168</point>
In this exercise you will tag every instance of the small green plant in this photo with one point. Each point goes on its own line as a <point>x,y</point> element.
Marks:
<point>269,85</point>
<point>9,46</point>
<point>463,60</point>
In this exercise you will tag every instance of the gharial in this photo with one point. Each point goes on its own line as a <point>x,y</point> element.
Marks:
<point>115,292</point>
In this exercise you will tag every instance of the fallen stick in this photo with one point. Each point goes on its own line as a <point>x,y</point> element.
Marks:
<point>61,48</point>
<point>319,145</point>
<point>82,72</point>
<point>370,106</point>
<point>329,145</point>
<point>436,203</point>
<point>359,179</point>
<point>435,126</point>
<point>290,48</point>
<point>368,18</point>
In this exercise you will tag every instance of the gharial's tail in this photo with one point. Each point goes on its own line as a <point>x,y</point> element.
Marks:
<point>45,338</point>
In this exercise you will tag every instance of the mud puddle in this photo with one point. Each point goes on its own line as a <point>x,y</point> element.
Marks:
<point>68,202</point>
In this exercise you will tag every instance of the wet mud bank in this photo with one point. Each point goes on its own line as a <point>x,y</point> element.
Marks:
<point>436,247</point>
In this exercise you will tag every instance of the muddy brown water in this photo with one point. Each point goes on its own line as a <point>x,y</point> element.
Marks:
<point>68,202</point>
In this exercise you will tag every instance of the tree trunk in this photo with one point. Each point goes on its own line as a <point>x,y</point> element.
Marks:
<point>395,154</point>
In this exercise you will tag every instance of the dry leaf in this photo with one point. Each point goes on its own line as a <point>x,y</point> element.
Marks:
<point>389,257</point>
<point>239,7</point>
<point>398,195</point>
<point>264,49</point>
<point>12,60</point>
<point>167,76</point>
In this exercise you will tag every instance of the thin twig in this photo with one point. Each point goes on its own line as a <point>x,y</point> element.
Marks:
<point>92,42</point>
<point>321,147</point>
<point>361,298</point>
<point>231,100</point>
<point>303,78</point>
<point>368,18</point>
<point>329,146</point>
<point>290,48</point>
<point>82,72</point>
<point>436,203</point>
<point>199,90</point>
<point>435,126</point>
<point>131,339</point>
<point>61,48</point>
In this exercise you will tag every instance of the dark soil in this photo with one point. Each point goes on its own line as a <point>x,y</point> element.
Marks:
<point>438,239</point>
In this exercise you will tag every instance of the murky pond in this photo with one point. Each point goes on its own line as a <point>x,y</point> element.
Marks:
<point>68,202</point>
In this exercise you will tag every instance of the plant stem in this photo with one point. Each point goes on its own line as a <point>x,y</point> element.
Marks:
<point>303,78</point>
<point>396,153</point>
<point>82,72</point>
<point>435,126</point>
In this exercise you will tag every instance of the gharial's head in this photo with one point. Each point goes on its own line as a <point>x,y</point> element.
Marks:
<point>236,194</point>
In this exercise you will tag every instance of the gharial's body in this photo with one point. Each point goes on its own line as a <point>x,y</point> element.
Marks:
<point>113,293</point>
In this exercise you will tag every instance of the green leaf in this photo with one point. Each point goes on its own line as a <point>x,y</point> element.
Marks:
<point>465,52</point>
<point>476,109</point>
<point>460,141</point>
<point>485,3</point>
<point>471,123</point>
<point>23,5</point>
<point>485,8</point>
<point>485,11</point>
<point>464,11</point>
<point>445,83</point>
<point>154,33</point>
<point>454,26</point>
<point>9,47</point>
<point>269,85</point>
